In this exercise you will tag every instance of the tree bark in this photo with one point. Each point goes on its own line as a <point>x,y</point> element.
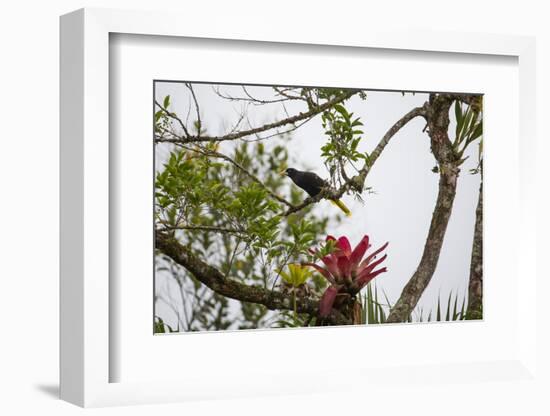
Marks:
<point>437,115</point>
<point>475,287</point>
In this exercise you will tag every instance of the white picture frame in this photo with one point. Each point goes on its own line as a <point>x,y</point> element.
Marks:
<point>85,354</point>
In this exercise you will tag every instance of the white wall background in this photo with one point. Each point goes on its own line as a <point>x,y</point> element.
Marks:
<point>29,209</point>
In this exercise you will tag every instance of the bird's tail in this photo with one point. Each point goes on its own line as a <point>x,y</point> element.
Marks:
<point>342,206</point>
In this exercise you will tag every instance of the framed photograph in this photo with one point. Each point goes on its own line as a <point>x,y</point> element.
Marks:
<point>243,216</point>
<point>254,198</point>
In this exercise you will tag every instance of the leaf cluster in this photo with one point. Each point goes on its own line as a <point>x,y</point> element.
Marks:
<point>162,119</point>
<point>469,127</point>
<point>341,150</point>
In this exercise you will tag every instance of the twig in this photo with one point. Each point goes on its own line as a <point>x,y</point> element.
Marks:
<point>174,117</point>
<point>199,122</point>
<point>210,228</point>
<point>250,98</point>
<point>399,124</point>
<point>215,154</point>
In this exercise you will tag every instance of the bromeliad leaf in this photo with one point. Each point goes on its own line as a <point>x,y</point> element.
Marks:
<point>297,274</point>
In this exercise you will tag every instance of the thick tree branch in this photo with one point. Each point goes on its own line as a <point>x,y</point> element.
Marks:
<point>215,280</point>
<point>473,100</point>
<point>475,287</point>
<point>289,120</point>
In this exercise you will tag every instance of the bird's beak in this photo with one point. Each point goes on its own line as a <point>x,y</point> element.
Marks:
<point>282,173</point>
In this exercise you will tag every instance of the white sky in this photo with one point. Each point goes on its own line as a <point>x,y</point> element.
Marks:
<point>405,187</point>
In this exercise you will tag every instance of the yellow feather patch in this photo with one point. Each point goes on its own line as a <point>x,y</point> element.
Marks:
<point>342,206</point>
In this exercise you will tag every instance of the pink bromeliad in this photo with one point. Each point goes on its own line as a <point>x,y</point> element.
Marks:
<point>346,270</point>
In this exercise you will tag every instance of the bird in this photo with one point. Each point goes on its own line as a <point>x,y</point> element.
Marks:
<point>312,184</point>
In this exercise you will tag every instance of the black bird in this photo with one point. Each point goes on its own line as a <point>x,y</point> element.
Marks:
<point>312,184</point>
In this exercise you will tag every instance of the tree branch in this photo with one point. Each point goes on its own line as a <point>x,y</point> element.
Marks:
<point>249,98</point>
<point>289,120</point>
<point>207,228</point>
<point>475,287</point>
<point>399,124</point>
<point>216,281</point>
<point>197,109</point>
<point>357,182</point>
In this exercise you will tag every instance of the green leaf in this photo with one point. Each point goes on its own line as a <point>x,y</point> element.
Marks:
<point>455,307</point>
<point>458,116</point>
<point>448,313</point>
<point>166,101</point>
<point>342,110</point>
<point>465,124</point>
<point>159,326</point>
<point>478,131</point>
<point>370,313</point>
<point>297,275</point>
<point>158,115</point>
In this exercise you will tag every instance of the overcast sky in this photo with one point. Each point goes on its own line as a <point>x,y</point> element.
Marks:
<point>405,187</point>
